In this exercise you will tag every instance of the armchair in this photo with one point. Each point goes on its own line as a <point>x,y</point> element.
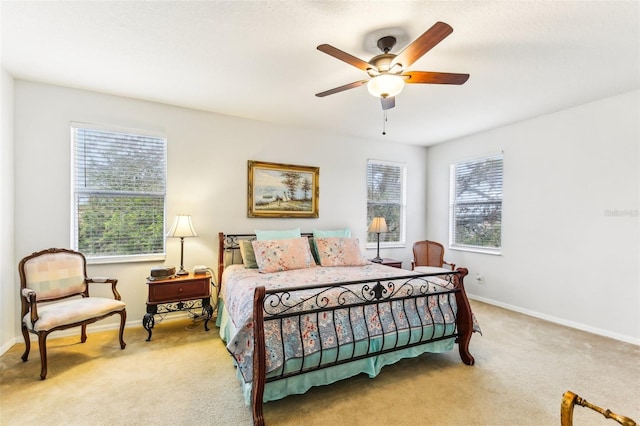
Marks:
<point>429,254</point>
<point>59,277</point>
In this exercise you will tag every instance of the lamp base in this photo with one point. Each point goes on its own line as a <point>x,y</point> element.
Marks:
<point>377,260</point>
<point>182,272</point>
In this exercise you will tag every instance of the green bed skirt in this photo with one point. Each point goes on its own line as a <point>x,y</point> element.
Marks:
<point>302,383</point>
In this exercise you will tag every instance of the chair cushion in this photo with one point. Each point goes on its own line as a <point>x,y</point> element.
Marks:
<point>72,311</point>
<point>430,269</point>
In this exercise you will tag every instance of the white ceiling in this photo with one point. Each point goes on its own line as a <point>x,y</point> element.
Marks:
<point>258,59</point>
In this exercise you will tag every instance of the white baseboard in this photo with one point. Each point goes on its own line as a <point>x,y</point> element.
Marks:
<point>556,320</point>
<point>8,345</point>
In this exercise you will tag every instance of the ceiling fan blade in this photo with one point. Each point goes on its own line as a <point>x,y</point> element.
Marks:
<point>388,102</point>
<point>344,56</point>
<point>427,77</point>
<point>341,88</point>
<point>422,44</point>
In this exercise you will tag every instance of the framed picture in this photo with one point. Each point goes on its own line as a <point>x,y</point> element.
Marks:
<point>282,190</point>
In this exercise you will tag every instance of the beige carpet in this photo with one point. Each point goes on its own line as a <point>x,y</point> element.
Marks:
<point>184,376</point>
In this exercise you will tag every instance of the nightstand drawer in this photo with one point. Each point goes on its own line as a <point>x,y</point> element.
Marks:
<point>392,262</point>
<point>179,290</point>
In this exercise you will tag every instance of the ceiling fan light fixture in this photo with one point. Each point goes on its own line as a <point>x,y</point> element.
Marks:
<point>385,85</point>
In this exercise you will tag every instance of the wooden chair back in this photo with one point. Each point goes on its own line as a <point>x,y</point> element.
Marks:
<point>429,253</point>
<point>53,274</point>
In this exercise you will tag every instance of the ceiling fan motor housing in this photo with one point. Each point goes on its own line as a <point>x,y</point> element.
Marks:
<point>382,64</point>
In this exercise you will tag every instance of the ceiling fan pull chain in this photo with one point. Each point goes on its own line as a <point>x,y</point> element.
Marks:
<point>384,122</point>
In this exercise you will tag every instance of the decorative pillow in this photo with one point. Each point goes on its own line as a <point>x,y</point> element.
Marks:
<point>277,235</point>
<point>282,255</point>
<point>248,256</point>
<point>338,251</point>
<point>346,232</point>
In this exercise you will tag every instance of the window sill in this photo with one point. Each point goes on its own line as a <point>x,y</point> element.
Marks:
<point>482,250</point>
<point>385,245</point>
<point>126,259</point>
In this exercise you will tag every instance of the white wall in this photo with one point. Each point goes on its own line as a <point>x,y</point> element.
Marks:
<point>207,176</point>
<point>563,172</point>
<point>8,285</point>
<point>565,257</point>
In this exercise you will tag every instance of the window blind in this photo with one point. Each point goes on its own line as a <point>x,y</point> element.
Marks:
<point>386,183</point>
<point>119,181</point>
<point>476,203</point>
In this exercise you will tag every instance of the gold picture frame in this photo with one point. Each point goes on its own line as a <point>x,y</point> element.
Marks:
<point>283,190</point>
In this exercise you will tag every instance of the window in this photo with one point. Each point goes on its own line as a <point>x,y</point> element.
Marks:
<point>475,215</point>
<point>119,189</point>
<point>386,182</point>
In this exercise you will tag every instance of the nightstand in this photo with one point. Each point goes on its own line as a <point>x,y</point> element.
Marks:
<point>180,293</point>
<point>391,262</point>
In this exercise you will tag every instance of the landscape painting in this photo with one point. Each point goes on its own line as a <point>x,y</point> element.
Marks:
<point>282,190</point>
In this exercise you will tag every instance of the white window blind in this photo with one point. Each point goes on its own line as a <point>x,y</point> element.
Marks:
<point>119,188</point>
<point>475,220</point>
<point>386,183</point>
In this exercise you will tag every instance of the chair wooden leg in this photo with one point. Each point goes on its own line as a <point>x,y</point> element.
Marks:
<point>42,343</point>
<point>566,408</point>
<point>27,343</point>
<point>123,320</point>
<point>83,333</point>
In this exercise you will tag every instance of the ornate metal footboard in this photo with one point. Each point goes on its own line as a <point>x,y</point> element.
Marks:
<point>338,302</point>
<point>443,315</point>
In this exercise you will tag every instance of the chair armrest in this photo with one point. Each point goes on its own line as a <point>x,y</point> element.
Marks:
<point>27,293</point>
<point>452,265</point>
<point>105,280</point>
<point>413,264</point>
<point>29,301</point>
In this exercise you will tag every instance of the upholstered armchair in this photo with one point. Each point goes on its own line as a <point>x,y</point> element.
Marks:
<point>428,256</point>
<point>59,278</point>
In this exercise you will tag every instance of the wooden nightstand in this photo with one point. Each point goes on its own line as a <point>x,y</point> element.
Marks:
<point>180,293</point>
<point>391,262</point>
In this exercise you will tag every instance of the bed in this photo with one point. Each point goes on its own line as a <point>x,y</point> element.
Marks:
<point>315,312</point>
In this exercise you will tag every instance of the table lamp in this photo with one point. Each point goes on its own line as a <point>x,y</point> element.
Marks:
<point>378,225</point>
<point>182,228</point>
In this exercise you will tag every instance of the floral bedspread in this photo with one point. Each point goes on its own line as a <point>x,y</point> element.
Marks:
<point>311,333</point>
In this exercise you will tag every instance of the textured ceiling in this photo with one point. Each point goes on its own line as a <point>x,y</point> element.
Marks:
<point>258,60</point>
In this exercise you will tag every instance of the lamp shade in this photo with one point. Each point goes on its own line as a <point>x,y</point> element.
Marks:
<point>182,227</point>
<point>378,225</point>
<point>385,85</point>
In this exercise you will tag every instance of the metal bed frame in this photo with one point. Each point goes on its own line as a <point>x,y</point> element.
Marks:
<point>402,290</point>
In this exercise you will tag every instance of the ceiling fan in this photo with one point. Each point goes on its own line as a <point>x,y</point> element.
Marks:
<point>388,72</point>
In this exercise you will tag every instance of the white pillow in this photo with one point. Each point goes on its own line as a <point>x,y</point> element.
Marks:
<point>277,235</point>
<point>346,232</point>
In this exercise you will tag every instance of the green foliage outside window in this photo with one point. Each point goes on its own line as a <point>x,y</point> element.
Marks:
<point>476,208</point>
<point>120,226</point>
<point>385,198</point>
<point>119,188</point>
